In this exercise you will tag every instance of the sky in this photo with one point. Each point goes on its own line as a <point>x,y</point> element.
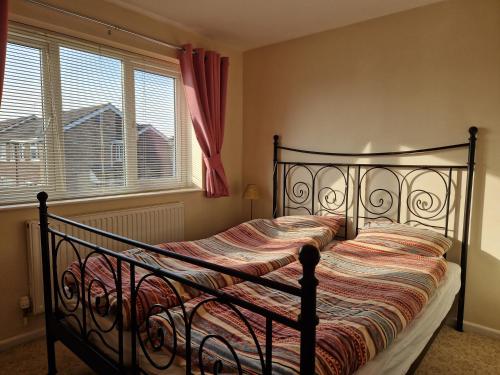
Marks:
<point>22,83</point>
<point>87,79</point>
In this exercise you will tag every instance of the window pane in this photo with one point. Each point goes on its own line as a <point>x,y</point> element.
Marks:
<point>22,122</point>
<point>156,131</point>
<point>92,105</point>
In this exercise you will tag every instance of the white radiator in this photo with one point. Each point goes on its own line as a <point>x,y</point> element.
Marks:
<point>152,225</point>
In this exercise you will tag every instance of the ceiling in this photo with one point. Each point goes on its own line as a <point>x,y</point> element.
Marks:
<point>247,24</point>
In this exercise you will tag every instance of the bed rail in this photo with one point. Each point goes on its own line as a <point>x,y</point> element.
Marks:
<point>123,358</point>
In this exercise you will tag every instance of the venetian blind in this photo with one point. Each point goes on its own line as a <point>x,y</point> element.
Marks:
<point>82,120</point>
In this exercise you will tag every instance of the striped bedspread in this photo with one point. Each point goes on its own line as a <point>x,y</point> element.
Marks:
<point>367,295</point>
<point>256,247</point>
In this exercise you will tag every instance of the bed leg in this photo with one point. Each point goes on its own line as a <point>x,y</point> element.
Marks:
<point>47,284</point>
<point>309,258</point>
<point>51,356</point>
<point>465,233</point>
<point>275,175</point>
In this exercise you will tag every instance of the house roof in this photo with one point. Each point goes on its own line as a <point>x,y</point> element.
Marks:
<point>78,116</point>
<point>30,128</point>
<point>22,128</point>
<point>142,128</point>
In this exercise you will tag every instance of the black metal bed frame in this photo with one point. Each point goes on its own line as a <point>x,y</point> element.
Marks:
<point>422,208</point>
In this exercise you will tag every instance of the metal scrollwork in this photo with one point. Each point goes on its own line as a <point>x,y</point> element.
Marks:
<point>69,292</point>
<point>330,199</point>
<point>422,203</point>
<point>306,192</point>
<point>398,193</point>
<point>377,199</point>
<point>101,304</point>
<point>68,288</point>
<point>380,200</point>
<point>300,191</point>
<point>152,335</point>
<point>218,365</point>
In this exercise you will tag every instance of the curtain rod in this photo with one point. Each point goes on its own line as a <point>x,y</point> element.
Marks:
<point>108,25</point>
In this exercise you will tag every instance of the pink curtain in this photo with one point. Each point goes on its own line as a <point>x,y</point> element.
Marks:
<point>204,74</point>
<point>3,41</point>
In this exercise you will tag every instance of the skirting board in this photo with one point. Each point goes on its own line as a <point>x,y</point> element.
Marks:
<point>482,330</point>
<point>11,342</point>
<point>475,328</point>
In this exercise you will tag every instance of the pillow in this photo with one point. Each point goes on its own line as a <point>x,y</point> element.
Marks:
<point>420,241</point>
<point>332,222</point>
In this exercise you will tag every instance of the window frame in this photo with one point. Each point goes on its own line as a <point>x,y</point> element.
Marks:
<point>3,151</point>
<point>54,166</point>
<point>182,151</point>
<point>20,36</point>
<point>35,146</point>
<point>117,145</point>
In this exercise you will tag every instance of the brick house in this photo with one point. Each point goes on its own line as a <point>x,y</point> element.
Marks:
<point>93,149</point>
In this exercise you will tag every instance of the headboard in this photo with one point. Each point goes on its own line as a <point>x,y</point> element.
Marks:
<point>380,186</point>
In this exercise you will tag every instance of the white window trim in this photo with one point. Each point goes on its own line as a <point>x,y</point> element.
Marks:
<point>104,198</point>
<point>180,128</point>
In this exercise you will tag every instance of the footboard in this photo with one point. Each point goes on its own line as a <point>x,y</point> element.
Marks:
<point>119,330</point>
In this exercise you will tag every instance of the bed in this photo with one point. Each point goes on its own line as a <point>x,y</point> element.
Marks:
<point>397,358</point>
<point>255,248</point>
<point>167,339</point>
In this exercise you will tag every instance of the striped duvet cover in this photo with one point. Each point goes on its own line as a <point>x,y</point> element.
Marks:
<point>256,247</point>
<point>367,295</point>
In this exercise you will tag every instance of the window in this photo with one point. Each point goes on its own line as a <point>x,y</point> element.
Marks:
<point>92,115</point>
<point>155,115</point>
<point>117,151</point>
<point>21,149</point>
<point>3,152</point>
<point>10,152</point>
<point>34,152</point>
<point>21,120</point>
<point>82,120</point>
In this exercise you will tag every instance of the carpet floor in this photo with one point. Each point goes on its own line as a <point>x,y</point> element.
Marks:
<point>451,353</point>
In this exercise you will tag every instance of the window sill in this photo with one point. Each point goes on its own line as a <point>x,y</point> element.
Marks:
<point>101,199</point>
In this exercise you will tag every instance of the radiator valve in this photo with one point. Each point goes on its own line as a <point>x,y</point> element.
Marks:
<point>25,305</point>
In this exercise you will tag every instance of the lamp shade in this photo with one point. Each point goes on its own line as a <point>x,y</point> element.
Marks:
<point>251,192</point>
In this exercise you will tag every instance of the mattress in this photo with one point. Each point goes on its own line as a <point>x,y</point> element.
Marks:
<point>396,359</point>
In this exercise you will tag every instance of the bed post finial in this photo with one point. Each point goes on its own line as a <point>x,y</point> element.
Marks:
<point>42,197</point>
<point>309,257</point>
<point>47,285</point>
<point>466,229</point>
<point>276,138</point>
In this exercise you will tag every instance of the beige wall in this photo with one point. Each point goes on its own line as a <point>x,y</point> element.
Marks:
<point>412,79</point>
<point>203,216</point>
